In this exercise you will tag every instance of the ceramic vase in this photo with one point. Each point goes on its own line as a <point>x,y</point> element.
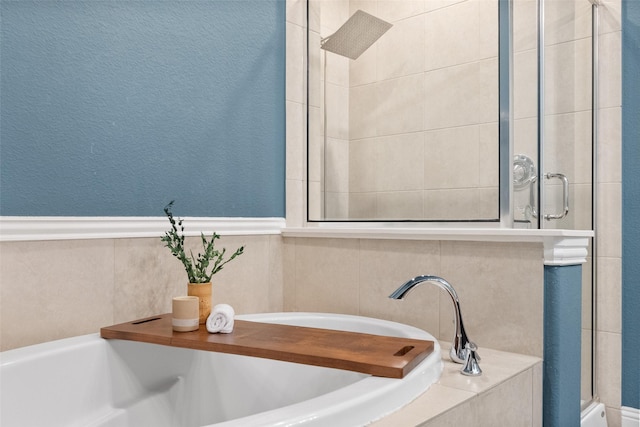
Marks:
<point>203,292</point>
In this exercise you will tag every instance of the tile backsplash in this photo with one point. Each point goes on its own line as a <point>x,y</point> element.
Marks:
<point>56,289</point>
<point>499,285</point>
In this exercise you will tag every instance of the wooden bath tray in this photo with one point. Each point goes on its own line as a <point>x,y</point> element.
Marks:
<point>370,354</point>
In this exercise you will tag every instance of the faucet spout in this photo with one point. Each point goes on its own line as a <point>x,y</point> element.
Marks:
<point>461,345</point>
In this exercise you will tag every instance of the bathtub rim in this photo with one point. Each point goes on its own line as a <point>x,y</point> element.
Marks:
<point>329,407</point>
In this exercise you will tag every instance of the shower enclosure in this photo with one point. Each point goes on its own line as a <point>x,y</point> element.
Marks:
<point>469,112</point>
<point>388,137</point>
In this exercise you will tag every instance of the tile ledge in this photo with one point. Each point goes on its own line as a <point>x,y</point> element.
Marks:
<point>435,233</point>
<point>422,410</point>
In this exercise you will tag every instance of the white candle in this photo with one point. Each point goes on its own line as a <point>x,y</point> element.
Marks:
<point>185,314</point>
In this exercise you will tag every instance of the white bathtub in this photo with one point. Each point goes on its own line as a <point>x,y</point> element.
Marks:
<point>89,381</point>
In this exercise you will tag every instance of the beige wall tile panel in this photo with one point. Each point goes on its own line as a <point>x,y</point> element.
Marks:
<point>610,70</point>
<point>289,274</point>
<point>430,404</point>
<point>525,25</point>
<point>525,89</point>
<point>586,368</point>
<point>315,146</point>
<point>296,193</point>
<point>500,289</point>
<point>400,205</point>
<point>147,277</point>
<point>245,282</point>
<point>401,106</point>
<point>295,47</point>
<point>326,275</point>
<point>610,13</point>
<point>489,201</point>
<point>54,289</point>
<point>488,29</point>
<point>511,403</point>
<point>609,146</point>
<point>609,296</point>
<point>363,111</point>
<point>362,205</point>
<point>567,77</point>
<point>295,133</point>
<point>609,219</point>
<point>384,266</point>
<point>337,71</point>
<point>276,274</point>
<point>337,165</point>
<point>566,21</point>
<point>452,35</point>
<point>394,10</point>
<point>363,159</point>
<point>452,158</point>
<point>399,162</point>
<point>452,204</point>
<point>364,69</point>
<point>337,205</point>
<point>337,113</point>
<point>488,155</point>
<point>297,12</point>
<point>401,50</point>
<point>316,76</point>
<point>454,98</point>
<point>536,416</point>
<point>525,138</point>
<point>332,15</point>
<point>608,369</point>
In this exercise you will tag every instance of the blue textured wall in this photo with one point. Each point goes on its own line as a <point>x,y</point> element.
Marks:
<point>630,203</point>
<point>562,335</point>
<point>116,107</point>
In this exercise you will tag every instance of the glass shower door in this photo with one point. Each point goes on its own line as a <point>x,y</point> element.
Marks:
<point>553,124</point>
<point>553,128</point>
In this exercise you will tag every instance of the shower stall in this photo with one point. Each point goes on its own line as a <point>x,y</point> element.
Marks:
<point>465,112</point>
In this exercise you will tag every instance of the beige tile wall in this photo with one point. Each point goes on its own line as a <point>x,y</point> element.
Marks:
<point>78,286</point>
<point>608,326</point>
<point>509,393</point>
<point>499,285</point>
<point>296,109</point>
<point>514,398</point>
<point>57,289</point>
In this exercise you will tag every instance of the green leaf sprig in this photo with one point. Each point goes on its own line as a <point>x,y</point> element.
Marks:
<point>195,266</point>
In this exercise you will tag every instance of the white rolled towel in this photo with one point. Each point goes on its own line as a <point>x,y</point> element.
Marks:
<point>221,319</point>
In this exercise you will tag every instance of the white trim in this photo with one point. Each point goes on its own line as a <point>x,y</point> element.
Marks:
<point>630,416</point>
<point>561,247</point>
<point>561,250</point>
<point>436,233</point>
<point>64,228</point>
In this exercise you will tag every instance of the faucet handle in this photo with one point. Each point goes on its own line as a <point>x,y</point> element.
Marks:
<point>471,366</point>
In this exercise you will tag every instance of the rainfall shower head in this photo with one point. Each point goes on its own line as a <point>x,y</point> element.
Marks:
<point>356,35</point>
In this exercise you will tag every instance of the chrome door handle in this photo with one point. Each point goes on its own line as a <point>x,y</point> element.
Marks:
<point>565,196</point>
